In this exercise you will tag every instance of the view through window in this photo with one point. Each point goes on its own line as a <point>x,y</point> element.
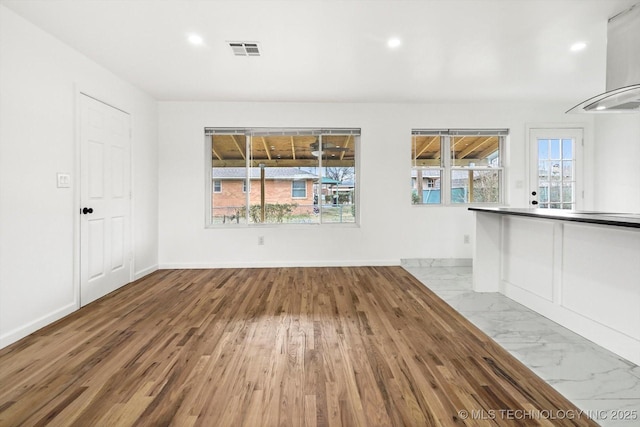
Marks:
<point>556,177</point>
<point>294,176</point>
<point>456,166</point>
<point>555,168</point>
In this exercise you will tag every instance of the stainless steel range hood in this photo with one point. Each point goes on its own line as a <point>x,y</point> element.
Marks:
<point>623,67</point>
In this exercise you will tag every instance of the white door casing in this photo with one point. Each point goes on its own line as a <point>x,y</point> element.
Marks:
<point>105,197</point>
<point>555,168</point>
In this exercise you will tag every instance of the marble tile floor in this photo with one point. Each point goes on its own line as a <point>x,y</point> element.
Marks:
<point>594,379</point>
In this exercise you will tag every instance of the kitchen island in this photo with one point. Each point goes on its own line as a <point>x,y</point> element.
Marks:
<point>579,269</point>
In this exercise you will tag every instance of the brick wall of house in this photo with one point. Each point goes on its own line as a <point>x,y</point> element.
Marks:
<point>231,196</point>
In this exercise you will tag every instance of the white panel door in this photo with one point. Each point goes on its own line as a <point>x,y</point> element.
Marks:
<point>555,169</point>
<point>105,259</point>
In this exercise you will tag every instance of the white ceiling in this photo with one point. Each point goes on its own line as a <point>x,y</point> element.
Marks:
<point>332,50</point>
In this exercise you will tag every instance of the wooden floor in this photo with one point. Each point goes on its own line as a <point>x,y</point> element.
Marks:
<point>365,346</point>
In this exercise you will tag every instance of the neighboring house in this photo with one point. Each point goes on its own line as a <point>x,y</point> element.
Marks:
<point>283,185</point>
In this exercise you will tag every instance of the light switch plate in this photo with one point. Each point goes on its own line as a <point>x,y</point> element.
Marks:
<point>64,180</point>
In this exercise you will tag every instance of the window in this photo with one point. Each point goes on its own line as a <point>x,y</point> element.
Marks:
<point>555,168</point>
<point>452,167</point>
<point>556,183</point>
<point>284,175</point>
<point>217,186</point>
<point>298,189</point>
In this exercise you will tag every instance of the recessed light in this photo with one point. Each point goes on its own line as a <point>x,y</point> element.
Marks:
<point>576,47</point>
<point>195,39</point>
<point>394,42</point>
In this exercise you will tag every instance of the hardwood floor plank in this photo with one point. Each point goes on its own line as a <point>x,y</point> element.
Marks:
<point>338,346</point>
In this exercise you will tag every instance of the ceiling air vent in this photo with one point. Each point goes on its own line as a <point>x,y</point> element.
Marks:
<point>245,48</point>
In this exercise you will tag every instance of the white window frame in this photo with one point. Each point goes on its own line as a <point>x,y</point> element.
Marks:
<point>554,132</point>
<point>249,133</point>
<point>447,167</point>
<point>217,186</point>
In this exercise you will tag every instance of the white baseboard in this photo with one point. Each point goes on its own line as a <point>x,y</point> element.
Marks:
<point>437,262</point>
<point>145,272</point>
<point>611,339</point>
<point>276,264</point>
<point>22,331</point>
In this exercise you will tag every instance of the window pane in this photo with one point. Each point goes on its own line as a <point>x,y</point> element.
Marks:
<point>429,192</point>
<point>426,151</point>
<point>338,179</point>
<point>298,189</point>
<point>567,169</point>
<point>475,151</point>
<point>567,193</point>
<point>228,154</point>
<point>284,168</point>
<point>543,148</point>
<point>556,174</point>
<point>567,148</point>
<point>555,149</point>
<point>475,186</point>
<point>544,170</point>
<point>554,193</point>
<point>426,174</point>
<point>543,194</point>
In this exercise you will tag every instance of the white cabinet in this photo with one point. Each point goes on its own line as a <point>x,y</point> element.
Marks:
<point>583,276</point>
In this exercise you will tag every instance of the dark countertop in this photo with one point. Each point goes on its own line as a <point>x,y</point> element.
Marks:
<point>591,217</point>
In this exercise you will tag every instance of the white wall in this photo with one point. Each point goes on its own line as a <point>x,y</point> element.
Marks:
<point>39,81</point>
<point>616,169</point>
<point>390,228</point>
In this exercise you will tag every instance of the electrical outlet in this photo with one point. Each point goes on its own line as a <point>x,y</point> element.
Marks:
<point>466,238</point>
<point>260,240</point>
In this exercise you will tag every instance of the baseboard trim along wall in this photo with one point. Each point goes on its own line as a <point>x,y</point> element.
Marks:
<point>140,274</point>
<point>436,262</point>
<point>282,264</point>
<point>21,332</point>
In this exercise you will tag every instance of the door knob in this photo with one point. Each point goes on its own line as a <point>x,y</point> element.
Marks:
<point>87,210</point>
<point>533,193</point>
<point>535,202</point>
